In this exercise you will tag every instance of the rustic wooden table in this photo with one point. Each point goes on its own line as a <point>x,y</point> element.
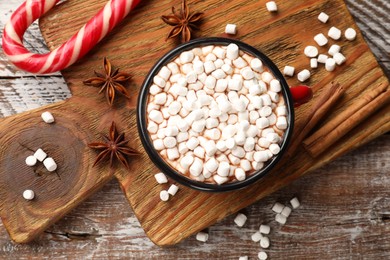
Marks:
<point>345,212</point>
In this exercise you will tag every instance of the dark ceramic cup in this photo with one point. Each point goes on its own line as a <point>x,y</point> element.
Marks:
<point>173,173</point>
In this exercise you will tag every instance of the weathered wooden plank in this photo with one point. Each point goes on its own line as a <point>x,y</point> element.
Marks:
<point>362,210</point>
<point>344,215</point>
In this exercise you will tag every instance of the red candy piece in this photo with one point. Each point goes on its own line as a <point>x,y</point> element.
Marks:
<point>301,95</point>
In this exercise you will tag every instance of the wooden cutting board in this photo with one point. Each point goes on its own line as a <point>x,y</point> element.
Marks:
<point>134,46</point>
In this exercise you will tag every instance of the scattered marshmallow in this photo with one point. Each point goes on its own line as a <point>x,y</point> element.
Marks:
<point>173,189</point>
<point>243,258</point>
<point>256,236</point>
<point>288,71</point>
<point>303,75</point>
<point>323,17</point>
<point>330,64</point>
<point>240,219</point>
<point>50,164</point>
<point>322,58</point>
<point>320,39</point>
<point>350,34</point>
<point>47,117</point>
<point>264,242</point>
<point>28,195</point>
<point>295,203</point>
<point>334,33</point>
<point>40,155</point>
<point>311,51</point>
<point>286,211</point>
<point>31,160</point>
<point>164,195</point>
<point>313,63</point>
<point>202,236</point>
<point>334,49</point>
<point>262,255</point>
<point>231,28</point>
<point>160,178</point>
<point>264,229</point>
<point>280,219</point>
<point>339,58</point>
<point>277,208</point>
<point>271,6</point>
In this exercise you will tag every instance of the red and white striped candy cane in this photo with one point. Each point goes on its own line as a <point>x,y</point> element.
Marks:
<point>69,52</point>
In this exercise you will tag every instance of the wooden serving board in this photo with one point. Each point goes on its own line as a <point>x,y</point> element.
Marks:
<point>134,46</point>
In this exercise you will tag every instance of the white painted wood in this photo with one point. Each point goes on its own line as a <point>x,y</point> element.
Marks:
<point>353,224</point>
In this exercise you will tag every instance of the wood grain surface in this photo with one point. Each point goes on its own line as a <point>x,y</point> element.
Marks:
<point>131,241</point>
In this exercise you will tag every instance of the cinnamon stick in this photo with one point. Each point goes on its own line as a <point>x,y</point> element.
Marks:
<point>331,132</point>
<point>331,93</point>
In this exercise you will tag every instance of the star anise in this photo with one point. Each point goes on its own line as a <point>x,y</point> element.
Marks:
<point>113,147</point>
<point>183,22</point>
<point>111,82</point>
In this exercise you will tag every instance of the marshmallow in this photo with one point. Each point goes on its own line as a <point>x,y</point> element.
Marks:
<point>156,116</point>
<point>334,33</point>
<point>266,77</point>
<point>274,148</point>
<point>280,219</point>
<point>219,52</point>
<point>199,152</point>
<point>278,207</point>
<point>207,49</point>
<point>211,57</point>
<point>164,195</point>
<point>219,179</point>
<point>322,58</point>
<point>320,39</point>
<point>173,189</point>
<point>161,178</point>
<point>232,51</point>
<point>192,143</point>
<point>223,169</point>
<point>50,164</point>
<point>257,165</point>
<point>295,203</point>
<point>209,66</point>
<point>243,258</point>
<point>256,65</point>
<point>231,29</point>
<point>330,64</point>
<point>202,236</point>
<point>240,174</point>
<point>303,75</point>
<point>238,152</point>
<point>339,58</point>
<point>173,68</point>
<point>158,144</point>
<point>47,117</point>
<point>271,6</point>
<point>264,229</point>
<point>218,74</point>
<point>256,236</point>
<point>323,17</point>
<point>272,137</point>
<point>311,51</point>
<point>264,242</point>
<point>260,156</point>
<point>186,56</point>
<point>286,211</point>
<point>262,255</point>
<point>154,89</point>
<point>288,71</point>
<point>313,63</point>
<point>240,219</point>
<point>275,86</point>
<point>28,195</point>
<point>169,142</point>
<point>281,123</point>
<point>186,161</point>
<point>350,34</point>
<point>159,81</point>
<point>263,142</point>
<point>334,49</point>
<point>196,167</point>
<point>173,153</point>
<point>265,111</point>
<point>247,73</point>
<point>31,160</point>
<point>40,155</point>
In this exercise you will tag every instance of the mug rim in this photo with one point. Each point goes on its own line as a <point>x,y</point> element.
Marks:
<point>175,174</point>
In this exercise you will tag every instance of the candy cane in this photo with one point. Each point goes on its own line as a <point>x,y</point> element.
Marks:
<point>69,52</point>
